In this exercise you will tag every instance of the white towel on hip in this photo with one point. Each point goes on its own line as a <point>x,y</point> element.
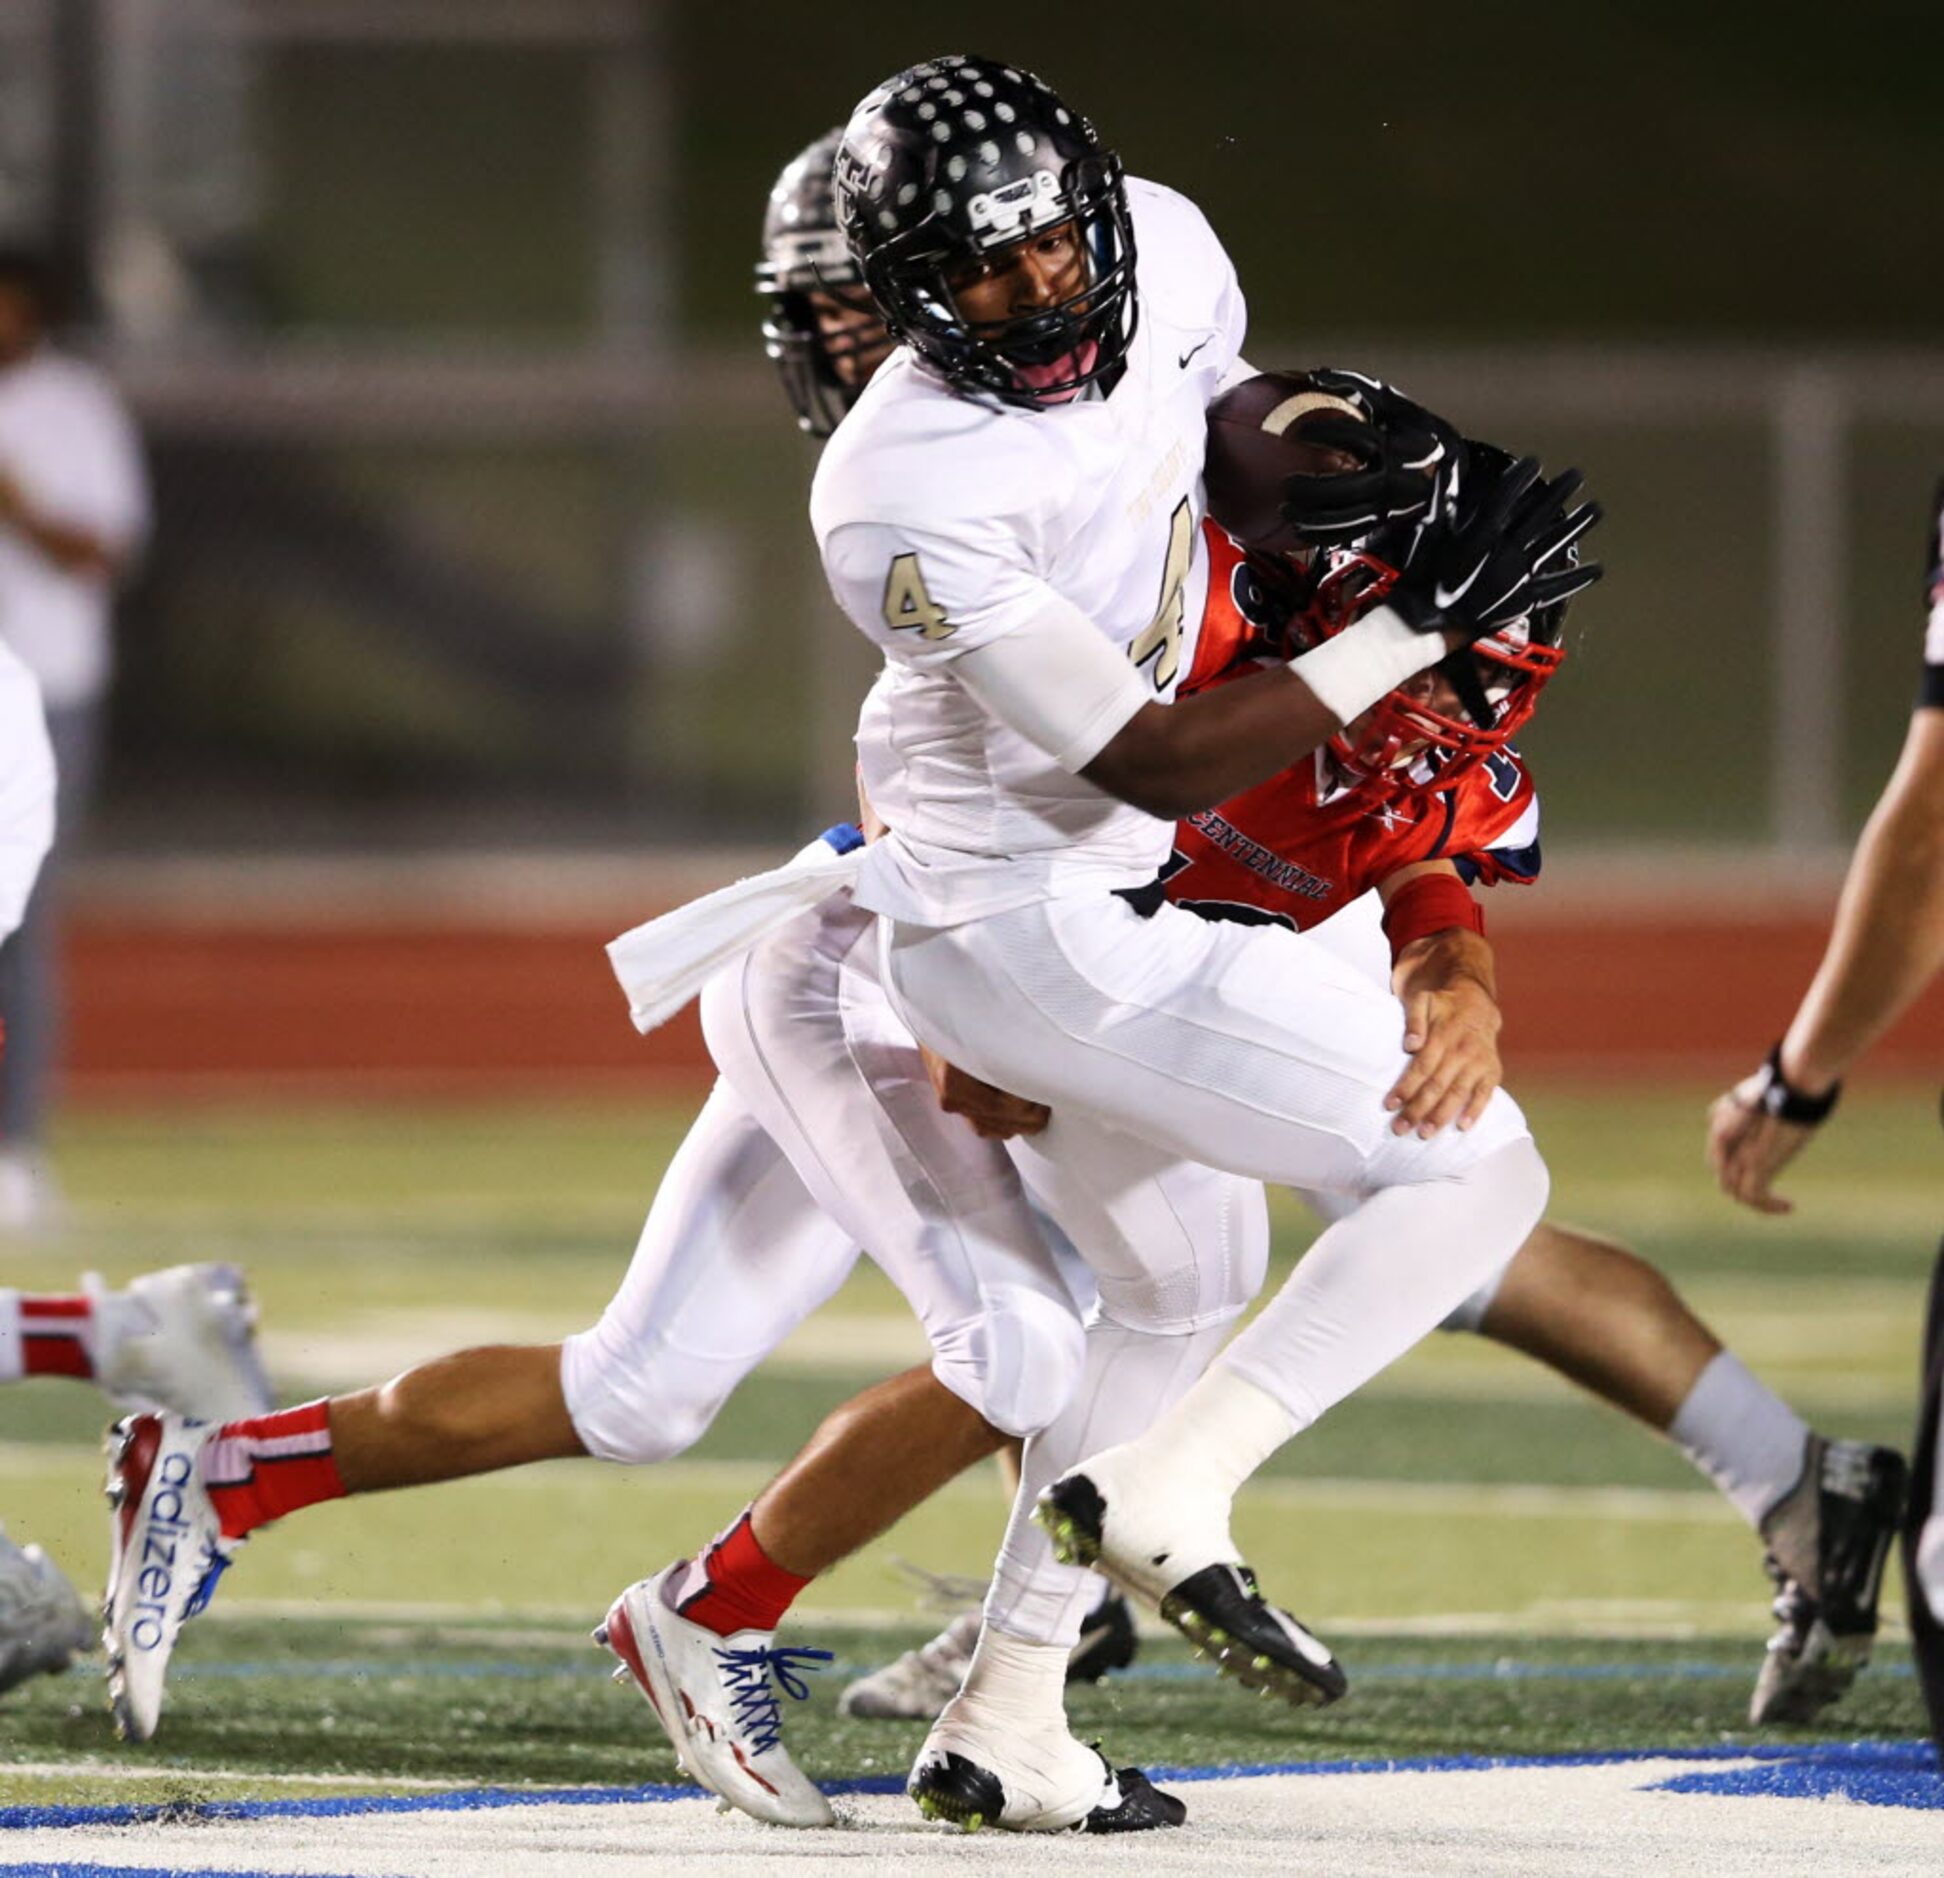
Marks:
<point>664,962</point>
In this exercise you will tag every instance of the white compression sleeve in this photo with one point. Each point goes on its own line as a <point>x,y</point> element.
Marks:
<point>1351,672</point>
<point>1056,681</point>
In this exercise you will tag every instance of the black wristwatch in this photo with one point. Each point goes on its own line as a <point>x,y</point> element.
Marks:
<point>1776,1095</point>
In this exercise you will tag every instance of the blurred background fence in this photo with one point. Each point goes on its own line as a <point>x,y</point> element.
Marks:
<point>480,522</point>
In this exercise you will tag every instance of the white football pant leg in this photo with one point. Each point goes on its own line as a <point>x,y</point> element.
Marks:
<point>735,1254</point>
<point>803,1032</point>
<point>1470,1314</point>
<point>1154,1333</point>
<point>1251,1049</point>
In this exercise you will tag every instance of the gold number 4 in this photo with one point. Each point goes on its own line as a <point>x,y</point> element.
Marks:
<point>1162,640</point>
<point>908,607</point>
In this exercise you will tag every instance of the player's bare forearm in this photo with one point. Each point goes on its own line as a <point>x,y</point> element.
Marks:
<point>1174,760</point>
<point>1888,939</point>
<point>1447,984</point>
<point>1445,961</point>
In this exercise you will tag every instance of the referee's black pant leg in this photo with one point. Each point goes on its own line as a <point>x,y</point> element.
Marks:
<point>1926,1634</point>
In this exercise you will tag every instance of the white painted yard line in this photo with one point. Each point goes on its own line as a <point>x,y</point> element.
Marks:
<point>1605,1821</point>
<point>180,1773</point>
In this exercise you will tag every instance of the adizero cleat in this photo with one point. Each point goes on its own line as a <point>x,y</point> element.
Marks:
<point>716,1699</point>
<point>1854,1495</point>
<point>1210,1598</point>
<point>972,1773</point>
<point>43,1623</point>
<point>167,1551</point>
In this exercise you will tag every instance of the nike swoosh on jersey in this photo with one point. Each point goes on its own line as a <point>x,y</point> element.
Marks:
<point>1190,353</point>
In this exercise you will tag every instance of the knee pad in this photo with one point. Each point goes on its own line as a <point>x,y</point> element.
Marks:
<point>1017,1363</point>
<point>1930,1564</point>
<point>628,1412</point>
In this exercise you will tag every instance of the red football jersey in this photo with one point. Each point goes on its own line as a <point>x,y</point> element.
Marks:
<point>1296,848</point>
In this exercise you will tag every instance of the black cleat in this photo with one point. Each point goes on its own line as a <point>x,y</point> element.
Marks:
<point>1220,1611</point>
<point>1217,1608</point>
<point>1829,1625</point>
<point>1108,1640</point>
<point>959,1792</point>
<point>1143,1807</point>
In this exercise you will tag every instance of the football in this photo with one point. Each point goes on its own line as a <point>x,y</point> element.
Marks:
<point>1255,440</point>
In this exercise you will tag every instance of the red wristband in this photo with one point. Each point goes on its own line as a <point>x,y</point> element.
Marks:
<point>1431,903</point>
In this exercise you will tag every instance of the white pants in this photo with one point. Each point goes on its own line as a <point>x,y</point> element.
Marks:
<point>26,789</point>
<point>1244,1048</point>
<point>823,1136</point>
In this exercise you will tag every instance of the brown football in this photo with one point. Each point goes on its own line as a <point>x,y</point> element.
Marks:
<point>1255,439</point>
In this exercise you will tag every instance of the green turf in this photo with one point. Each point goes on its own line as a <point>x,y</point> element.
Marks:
<point>379,1704</point>
<point>1468,1491</point>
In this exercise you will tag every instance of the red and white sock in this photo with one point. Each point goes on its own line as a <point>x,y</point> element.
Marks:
<point>735,1585</point>
<point>259,1470</point>
<point>44,1335</point>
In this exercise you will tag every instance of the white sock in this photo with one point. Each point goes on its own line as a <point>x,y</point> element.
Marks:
<point>1215,1437</point>
<point>1015,1680</point>
<point>1742,1435</point>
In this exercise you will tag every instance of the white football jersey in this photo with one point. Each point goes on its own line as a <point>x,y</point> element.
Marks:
<point>946,522</point>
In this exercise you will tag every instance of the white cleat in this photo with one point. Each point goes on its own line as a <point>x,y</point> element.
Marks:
<point>1033,1778</point>
<point>716,1699</point>
<point>167,1552</point>
<point>1174,1551</point>
<point>181,1340</point>
<point>44,1625</point>
<point>920,1682</point>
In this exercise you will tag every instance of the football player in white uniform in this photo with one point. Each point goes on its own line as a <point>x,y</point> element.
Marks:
<point>823,1135</point>
<point>1012,512</point>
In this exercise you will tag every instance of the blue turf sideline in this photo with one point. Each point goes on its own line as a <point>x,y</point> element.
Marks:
<point>1872,1773</point>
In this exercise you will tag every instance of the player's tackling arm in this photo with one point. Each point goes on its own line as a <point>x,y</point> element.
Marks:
<point>1444,975</point>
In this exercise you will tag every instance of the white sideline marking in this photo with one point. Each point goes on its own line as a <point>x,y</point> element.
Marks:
<point>1595,1822</point>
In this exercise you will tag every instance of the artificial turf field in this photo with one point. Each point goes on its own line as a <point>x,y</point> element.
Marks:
<point>1506,1568</point>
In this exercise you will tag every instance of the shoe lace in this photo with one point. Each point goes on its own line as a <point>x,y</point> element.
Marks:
<point>215,1564</point>
<point>752,1678</point>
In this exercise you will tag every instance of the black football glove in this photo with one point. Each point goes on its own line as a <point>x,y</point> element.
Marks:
<point>1397,447</point>
<point>1502,551</point>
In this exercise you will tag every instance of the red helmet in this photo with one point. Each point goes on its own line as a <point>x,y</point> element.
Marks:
<point>1404,728</point>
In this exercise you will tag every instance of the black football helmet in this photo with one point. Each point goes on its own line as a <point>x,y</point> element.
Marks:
<point>955,159</point>
<point>804,253</point>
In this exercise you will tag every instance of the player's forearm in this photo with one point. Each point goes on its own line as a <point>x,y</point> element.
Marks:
<point>1447,961</point>
<point>1888,938</point>
<point>1177,759</point>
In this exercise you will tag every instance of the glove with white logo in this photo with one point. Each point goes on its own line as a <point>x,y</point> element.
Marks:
<point>1496,543</point>
<point>1396,448</point>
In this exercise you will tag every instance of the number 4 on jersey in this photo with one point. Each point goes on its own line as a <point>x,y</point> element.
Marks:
<point>908,607</point>
<point>1161,642</point>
